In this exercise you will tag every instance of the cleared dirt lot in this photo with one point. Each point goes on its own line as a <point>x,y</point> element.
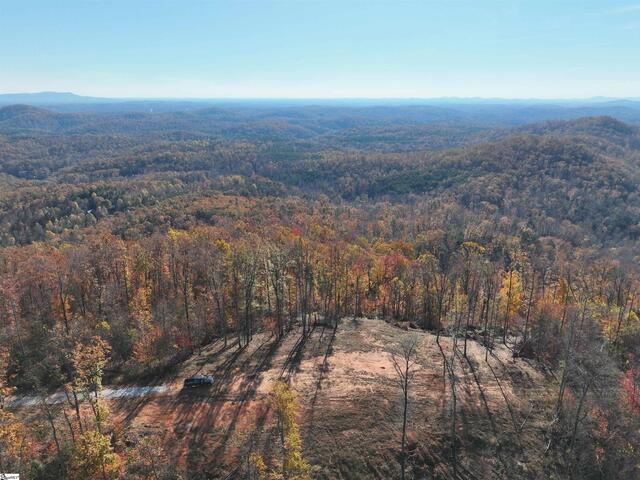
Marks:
<point>349,407</point>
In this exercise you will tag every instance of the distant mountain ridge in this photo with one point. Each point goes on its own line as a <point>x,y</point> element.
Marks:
<point>69,99</point>
<point>304,122</point>
<point>48,98</point>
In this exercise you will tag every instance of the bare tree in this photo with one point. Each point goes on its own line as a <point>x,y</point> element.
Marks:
<point>404,363</point>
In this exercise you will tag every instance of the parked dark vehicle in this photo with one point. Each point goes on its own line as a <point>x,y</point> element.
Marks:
<point>198,381</point>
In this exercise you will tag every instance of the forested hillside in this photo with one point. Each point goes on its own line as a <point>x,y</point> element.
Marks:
<point>132,241</point>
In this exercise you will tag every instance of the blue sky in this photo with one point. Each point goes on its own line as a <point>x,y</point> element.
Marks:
<point>322,48</point>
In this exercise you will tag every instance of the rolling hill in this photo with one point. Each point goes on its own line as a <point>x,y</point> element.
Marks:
<point>260,244</point>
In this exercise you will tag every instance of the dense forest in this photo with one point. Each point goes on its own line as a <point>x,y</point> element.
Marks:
<point>129,241</point>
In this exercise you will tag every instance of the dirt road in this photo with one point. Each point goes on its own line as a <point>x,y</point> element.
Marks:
<point>108,393</point>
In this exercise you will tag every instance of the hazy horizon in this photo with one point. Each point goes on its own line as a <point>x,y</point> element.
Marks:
<point>90,96</point>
